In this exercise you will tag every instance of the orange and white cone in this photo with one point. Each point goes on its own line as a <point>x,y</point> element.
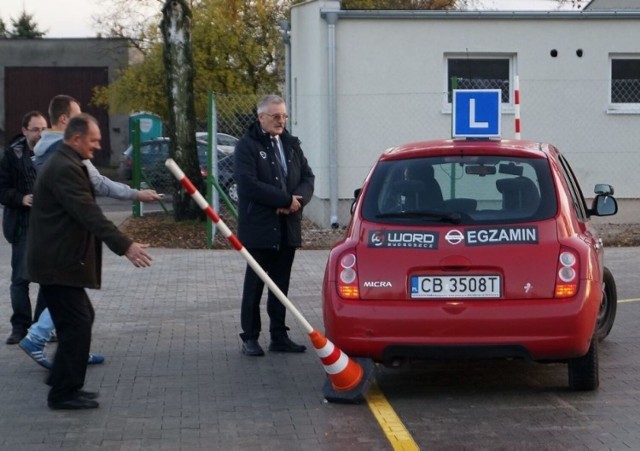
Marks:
<point>345,374</point>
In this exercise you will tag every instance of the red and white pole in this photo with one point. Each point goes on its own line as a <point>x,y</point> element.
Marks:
<point>516,95</point>
<point>235,242</point>
<point>345,374</point>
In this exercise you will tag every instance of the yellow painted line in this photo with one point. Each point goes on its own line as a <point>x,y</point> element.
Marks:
<point>391,425</point>
<point>622,301</point>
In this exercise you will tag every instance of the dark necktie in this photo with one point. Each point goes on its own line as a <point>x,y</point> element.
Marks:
<point>281,168</point>
<point>279,156</point>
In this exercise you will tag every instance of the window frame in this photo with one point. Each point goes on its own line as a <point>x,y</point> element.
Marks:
<point>579,201</point>
<point>617,107</point>
<point>506,107</point>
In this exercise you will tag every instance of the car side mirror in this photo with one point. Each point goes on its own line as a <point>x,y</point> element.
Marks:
<point>604,205</point>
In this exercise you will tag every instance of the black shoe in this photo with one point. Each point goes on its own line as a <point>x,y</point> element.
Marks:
<point>284,344</point>
<point>87,394</point>
<point>74,404</point>
<point>15,338</point>
<point>252,348</point>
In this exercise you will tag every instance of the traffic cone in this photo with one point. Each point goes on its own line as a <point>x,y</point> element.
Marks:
<point>344,373</point>
<point>349,381</point>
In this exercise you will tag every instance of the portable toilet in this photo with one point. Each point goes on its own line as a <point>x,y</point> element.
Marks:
<point>150,125</point>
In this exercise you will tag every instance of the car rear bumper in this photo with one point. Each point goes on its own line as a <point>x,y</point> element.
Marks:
<point>540,329</point>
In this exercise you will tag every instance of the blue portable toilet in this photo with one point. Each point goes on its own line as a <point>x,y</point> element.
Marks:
<point>150,125</point>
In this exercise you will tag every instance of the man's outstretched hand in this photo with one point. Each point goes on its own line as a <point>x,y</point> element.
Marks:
<point>138,256</point>
<point>148,195</point>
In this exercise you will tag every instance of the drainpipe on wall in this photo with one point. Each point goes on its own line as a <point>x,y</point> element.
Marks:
<point>332,136</point>
<point>285,31</point>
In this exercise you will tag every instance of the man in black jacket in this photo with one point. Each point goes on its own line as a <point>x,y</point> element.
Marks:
<point>274,183</point>
<point>64,255</point>
<point>17,176</point>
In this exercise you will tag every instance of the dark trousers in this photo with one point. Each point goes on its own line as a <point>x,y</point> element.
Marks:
<point>73,315</point>
<point>19,290</point>
<point>276,263</point>
<point>40,306</point>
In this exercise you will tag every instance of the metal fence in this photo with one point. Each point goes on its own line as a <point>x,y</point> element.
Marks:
<point>593,122</point>
<point>233,113</point>
<point>483,83</point>
<point>625,90</point>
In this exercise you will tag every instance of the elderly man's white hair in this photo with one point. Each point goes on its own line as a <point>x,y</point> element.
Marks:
<point>265,101</point>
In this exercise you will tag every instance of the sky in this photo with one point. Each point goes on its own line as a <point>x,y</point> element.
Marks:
<point>73,18</point>
<point>57,18</point>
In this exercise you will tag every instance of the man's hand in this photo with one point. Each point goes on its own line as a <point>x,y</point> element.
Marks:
<point>138,256</point>
<point>148,195</point>
<point>27,200</point>
<point>295,206</point>
<point>295,203</point>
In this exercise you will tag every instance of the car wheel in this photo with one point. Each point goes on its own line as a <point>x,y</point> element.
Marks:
<point>584,371</point>
<point>232,192</point>
<point>609,306</point>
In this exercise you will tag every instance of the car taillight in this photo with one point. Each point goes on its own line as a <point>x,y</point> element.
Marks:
<point>567,274</point>
<point>348,277</point>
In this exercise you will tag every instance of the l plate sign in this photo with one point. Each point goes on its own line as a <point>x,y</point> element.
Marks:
<point>476,113</point>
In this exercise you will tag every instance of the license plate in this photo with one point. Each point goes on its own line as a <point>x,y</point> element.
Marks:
<point>456,286</point>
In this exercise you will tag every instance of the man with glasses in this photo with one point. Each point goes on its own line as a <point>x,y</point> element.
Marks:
<point>17,176</point>
<point>274,183</point>
<point>62,108</point>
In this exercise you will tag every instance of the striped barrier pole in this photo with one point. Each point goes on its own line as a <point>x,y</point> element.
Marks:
<point>516,95</point>
<point>345,374</point>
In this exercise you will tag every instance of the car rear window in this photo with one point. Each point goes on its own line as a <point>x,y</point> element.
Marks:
<point>460,189</point>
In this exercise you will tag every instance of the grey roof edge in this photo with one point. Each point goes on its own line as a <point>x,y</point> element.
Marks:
<point>488,15</point>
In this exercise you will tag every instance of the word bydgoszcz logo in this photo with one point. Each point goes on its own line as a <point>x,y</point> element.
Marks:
<point>403,238</point>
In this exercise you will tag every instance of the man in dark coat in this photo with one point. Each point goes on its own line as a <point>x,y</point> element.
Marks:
<point>274,182</point>
<point>17,176</point>
<point>64,255</point>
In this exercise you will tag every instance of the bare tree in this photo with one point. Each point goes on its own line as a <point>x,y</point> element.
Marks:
<point>135,20</point>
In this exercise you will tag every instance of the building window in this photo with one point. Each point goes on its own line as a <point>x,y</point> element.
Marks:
<point>491,72</point>
<point>625,82</point>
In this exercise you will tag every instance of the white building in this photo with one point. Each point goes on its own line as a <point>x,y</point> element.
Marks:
<point>362,81</point>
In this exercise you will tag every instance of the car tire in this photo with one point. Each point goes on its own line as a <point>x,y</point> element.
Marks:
<point>584,371</point>
<point>609,306</point>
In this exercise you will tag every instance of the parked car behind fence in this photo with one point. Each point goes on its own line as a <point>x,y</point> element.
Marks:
<point>225,143</point>
<point>154,153</point>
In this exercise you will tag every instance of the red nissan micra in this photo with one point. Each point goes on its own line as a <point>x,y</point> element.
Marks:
<point>473,249</point>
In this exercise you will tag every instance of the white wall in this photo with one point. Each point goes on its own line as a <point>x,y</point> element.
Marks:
<point>391,86</point>
<point>309,105</point>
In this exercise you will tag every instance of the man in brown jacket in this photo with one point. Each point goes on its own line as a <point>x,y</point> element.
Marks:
<point>64,255</point>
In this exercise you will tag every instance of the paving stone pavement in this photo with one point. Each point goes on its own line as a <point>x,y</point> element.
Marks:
<point>174,377</point>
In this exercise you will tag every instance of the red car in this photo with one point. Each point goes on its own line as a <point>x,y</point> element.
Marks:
<point>473,249</point>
